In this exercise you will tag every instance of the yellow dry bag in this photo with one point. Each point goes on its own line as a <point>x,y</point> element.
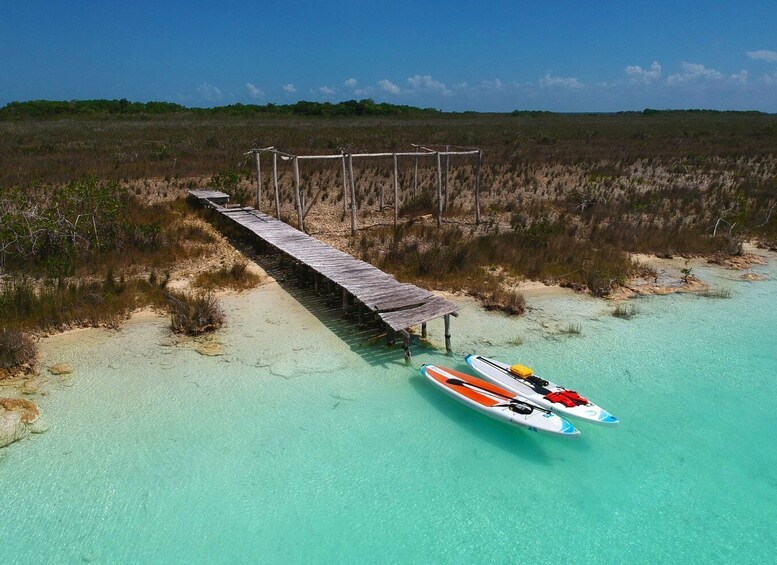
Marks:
<point>521,371</point>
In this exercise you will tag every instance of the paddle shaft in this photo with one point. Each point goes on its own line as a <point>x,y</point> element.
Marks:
<point>508,398</point>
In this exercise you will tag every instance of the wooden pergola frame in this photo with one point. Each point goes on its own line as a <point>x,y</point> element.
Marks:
<point>436,152</point>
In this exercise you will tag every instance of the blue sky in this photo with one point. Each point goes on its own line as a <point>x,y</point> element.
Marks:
<point>456,55</point>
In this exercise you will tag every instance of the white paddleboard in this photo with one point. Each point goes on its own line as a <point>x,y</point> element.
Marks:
<point>544,393</point>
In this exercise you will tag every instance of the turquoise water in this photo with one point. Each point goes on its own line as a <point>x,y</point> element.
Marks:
<point>305,443</point>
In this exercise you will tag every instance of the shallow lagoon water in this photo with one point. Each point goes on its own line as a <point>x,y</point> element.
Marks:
<point>305,442</point>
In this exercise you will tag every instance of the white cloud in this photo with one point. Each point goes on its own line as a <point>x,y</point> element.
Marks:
<point>763,55</point>
<point>638,74</point>
<point>770,79</point>
<point>692,72</point>
<point>549,81</point>
<point>388,86</point>
<point>326,90</point>
<point>427,84</point>
<point>741,77</point>
<point>289,88</point>
<point>350,83</point>
<point>362,91</point>
<point>253,91</point>
<point>495,85</point>
<point>209,92</point>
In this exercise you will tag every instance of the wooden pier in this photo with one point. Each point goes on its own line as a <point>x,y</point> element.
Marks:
<point>400,306</point>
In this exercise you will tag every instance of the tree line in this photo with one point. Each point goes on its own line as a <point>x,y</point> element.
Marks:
<point>123,107</point>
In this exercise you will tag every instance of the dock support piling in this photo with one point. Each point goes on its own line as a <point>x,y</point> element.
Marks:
<point>423,330</point>
<point>406,345</point>
<point>447,319</point>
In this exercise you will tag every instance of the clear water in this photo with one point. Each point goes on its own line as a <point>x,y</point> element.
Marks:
<point>304,443</point>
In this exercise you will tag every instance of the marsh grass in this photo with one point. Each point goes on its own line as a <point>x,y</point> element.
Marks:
<point>59,305</point>
<point>16,349</point>
<point>194,314</point>
<point>237,277</point>
<point>87,227</point>
<point>625,311</point>
<point>494,296</point>
<point>457,262</point>
<point>571,329</point>
<point>563,196</point>
<point>715,293</point>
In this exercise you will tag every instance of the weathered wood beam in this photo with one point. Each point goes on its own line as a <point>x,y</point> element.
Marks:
<point>477,188</point>
<point>345,186</point>
<point>415,177</point>
<point>300,217</point>
<point>439,191</point>
<point>275,185</point>
<point>447,171</point>
<point>396,192</point>
<point>353,195</point>
<point>258,181</point>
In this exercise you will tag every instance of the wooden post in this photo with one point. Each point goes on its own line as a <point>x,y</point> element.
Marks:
<point>477,188</point>
<point>315,282</point>
<point>345,302</point>
<point>447,167</point>
<point>406,345</point>
<point>423,330</point>
<point>353,195</point>
<point>396,192</point>
<point>303,200</point>
<point>275,185</point>
<point>345,186</point>
<point>415,176</point>
<point>381,198</point>
<point>439,191</point>
<point>300,219</point>
<point>258,181</point>
<point>447,319</point>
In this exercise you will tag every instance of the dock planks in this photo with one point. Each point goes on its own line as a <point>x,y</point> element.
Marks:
<point>400,305</point>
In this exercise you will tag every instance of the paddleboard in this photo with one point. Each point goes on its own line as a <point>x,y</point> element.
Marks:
<point>544,393</point>
<point>496,402</point>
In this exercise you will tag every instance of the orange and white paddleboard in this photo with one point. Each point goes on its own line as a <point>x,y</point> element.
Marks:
<point>496,402</point>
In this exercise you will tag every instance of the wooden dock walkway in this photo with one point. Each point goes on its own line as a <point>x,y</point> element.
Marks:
<point>400,306</point>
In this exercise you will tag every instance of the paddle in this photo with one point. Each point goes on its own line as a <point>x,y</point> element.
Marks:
<point>530,379</point>
<point>459,382</point>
